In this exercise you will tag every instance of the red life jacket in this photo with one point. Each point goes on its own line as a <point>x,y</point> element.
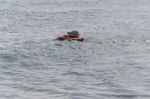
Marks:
<point>66,37</point>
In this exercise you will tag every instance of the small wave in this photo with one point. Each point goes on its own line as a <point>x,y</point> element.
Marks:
<point>9,57</point>
<point>74,73</point>
<point>125,96</point>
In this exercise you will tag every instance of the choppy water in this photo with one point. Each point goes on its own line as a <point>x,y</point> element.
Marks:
<point>112,63</point>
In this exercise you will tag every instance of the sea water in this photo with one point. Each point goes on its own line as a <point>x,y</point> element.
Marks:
<point>112,63</point>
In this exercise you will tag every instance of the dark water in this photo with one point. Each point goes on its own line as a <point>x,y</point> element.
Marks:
<point>112,63</point>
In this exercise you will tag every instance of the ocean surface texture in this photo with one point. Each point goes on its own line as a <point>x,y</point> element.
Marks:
<point>112,63</point>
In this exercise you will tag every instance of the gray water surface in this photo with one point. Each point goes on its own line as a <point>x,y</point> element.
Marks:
<point>112,63</point>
